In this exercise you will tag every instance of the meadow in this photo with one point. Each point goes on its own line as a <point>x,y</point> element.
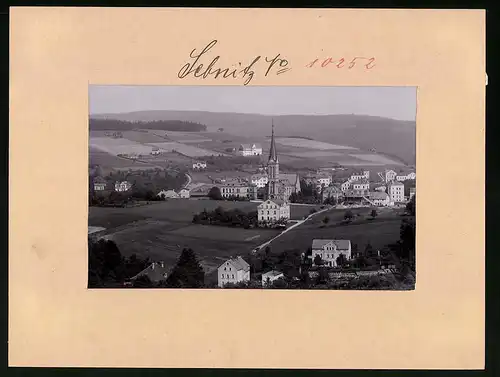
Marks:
<point>311,144</point>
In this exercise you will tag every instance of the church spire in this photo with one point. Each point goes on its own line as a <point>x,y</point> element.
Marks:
<point>273,155</point>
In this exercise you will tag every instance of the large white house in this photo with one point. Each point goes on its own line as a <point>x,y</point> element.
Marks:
<point>390,175</point>
<point>269,277</point>
<point>330,250</point>
<point>122,186</point>
<point>199,165</point>
<point>396,191</point>
<point>260,180</point>
<point>361,186</point>
<point>250,150</point>
<point>273,210</point>
<point>233,270</point>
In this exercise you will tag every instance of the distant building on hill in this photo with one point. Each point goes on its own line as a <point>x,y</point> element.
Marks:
<point>273,210</point>
<point>123,186</point>
<point>270,277</point>
<point>396,191</point>
<point>199,165</point>
<point>330,250</point>
<point>234,271</point>
<point>168,194</point>
<point>250,149</point>
<point>155,151</point>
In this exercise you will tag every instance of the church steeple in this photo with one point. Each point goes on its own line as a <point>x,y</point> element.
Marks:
<point>273,154</point>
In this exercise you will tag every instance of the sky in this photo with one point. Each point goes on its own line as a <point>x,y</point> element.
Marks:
<point>391,102</point>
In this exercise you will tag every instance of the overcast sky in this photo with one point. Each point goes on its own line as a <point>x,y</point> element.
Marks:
<point>391,102</point>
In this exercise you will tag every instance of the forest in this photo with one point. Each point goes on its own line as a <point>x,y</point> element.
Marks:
<point>166,125</point>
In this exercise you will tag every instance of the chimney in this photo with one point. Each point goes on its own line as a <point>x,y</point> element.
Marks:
<point>153,265</point>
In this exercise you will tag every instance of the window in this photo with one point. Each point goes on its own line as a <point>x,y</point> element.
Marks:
<point>224,268</point>
<point>233,276</point>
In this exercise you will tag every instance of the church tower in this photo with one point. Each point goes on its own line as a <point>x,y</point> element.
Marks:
<point>273,168</point>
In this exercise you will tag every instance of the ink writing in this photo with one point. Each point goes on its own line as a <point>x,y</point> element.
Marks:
<point>197,66</point>
<point>356,62</point>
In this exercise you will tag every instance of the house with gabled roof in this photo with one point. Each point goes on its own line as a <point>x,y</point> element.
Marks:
<point>99,184</point>
<point>250,149</point>
<point>234,270</point>
<point>329,250</point>
<point>270,277</point>
<point>273,210</point>
<point>156,272</point>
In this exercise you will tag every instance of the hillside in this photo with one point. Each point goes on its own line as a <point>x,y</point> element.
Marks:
<point>389,136</point>
<point>96,124</point>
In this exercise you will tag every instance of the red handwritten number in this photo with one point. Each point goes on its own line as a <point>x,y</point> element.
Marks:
<point>310,65</point>
<point>341,63</point>
<point>352,63</point>
<point>371,60</point>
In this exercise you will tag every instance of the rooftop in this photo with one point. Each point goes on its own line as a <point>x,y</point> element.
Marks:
<point>340,244</point>
<point>272,273</point>
<point>239,263</point>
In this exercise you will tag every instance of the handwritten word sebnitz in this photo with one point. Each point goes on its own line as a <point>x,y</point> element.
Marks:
<point>275,65</point>
<point>366,63</point>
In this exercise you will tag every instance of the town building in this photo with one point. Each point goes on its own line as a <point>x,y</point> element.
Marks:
<point>168,194</point>
<point>323,180</point>
<point>357,176</point>
<point>270,277</point>
<point>396,191</point>
<point>413,191</point>
<point>99,184</point>
<point>183,193</point>
<point>401,178</point>
<point>122,186</point>
<point>280,185</point>
<point>253,192</point>
<point>234,271</point>
<point>390,175</point>
<point>379,198</point>
<point>361,187</point>
<point>235,188</point>
<point>260,180</point>
<point>250,150</point>
<point>273,210</point>
<point>345,185</point>
<point>411,176</point>
<point>333,192</point>
<point>199,165</point>
<point>330,250</point>
<point>156,272</point>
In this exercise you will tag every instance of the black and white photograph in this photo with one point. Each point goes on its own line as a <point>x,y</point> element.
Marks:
<point>252,187</point>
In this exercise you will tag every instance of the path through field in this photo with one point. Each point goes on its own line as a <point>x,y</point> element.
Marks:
<point>298,223</point>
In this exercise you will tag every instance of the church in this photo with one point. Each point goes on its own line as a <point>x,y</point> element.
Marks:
<point>280,185</point>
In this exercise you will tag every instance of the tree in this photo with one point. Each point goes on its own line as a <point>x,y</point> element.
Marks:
<point>326,219</point>
<point>188,272</point>
<point>215,193</point>
<point>341,260</point>
<point>411,206</point>
<point>374,213</point>
<point>348,215</point>
<point>317,260</point>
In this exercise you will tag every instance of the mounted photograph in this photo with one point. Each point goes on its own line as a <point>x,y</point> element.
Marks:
<point>252,187</point>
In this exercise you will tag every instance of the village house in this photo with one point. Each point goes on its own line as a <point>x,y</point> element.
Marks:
<point>183,193</point>
<point>155,151</point>
<point>361,187</point>
<point>330,250</point>
<point>273,210</point>
<point>269,277</point>
<point>413,191</point>
<point>260,180</point>
<point>250,150</point>
<point>156,272</point>
<point>390,175</point>
<point>122,186</point>
<point>234,270</point>
<point>235,188</point>
<point>411,176</point>
<point>99,184</point>
<point>379,198</point>
<point>396,191</point>
<point>333,192</point>
<point>168,194</point>
<point>345,186</point>
<point>199,165</point>
<point>357,176</point>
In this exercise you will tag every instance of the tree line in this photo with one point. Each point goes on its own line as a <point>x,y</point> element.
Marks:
<point>233,217</point>
<point>166,125</point>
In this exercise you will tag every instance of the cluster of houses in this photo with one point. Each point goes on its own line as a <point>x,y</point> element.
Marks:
<point>325,252</point>
<point>183,193</point>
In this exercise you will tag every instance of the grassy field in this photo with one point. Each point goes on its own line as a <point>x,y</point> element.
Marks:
<point>162,229</point>
<point>379,232</point>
